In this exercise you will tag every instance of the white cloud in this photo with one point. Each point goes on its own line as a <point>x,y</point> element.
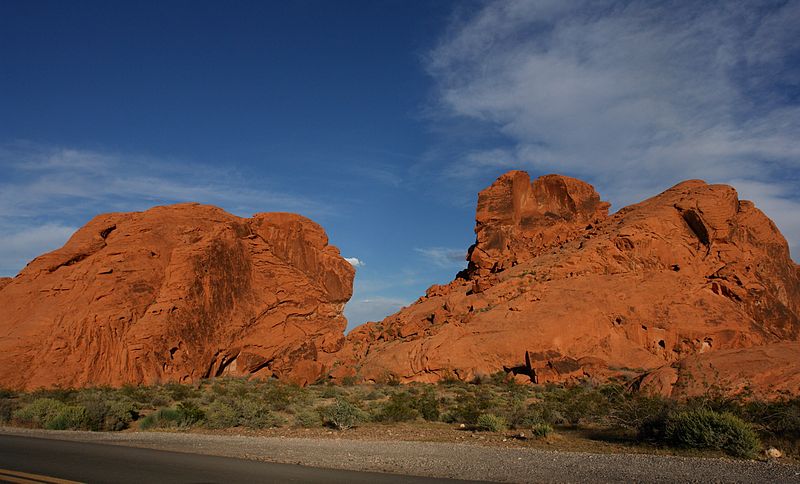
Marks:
<point>359,311</point>
<point>43,178</point>
<point>444,257</point>
<point>355,261</point>
<point>20,247</point>
<point>634,96</point>
<point>44,183</point>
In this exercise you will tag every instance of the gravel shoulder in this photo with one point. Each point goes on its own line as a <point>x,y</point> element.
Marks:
<point>450,460</point>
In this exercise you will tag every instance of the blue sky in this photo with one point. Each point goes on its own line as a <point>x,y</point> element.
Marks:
<point>382,119</point>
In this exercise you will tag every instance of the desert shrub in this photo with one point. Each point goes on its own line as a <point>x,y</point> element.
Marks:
<point>307,418</point>
<point>168,417</point>
<point>342,415</point>
<point>256,414</point>
<point>373,395</point>
<point>521,416</point>
<point>780,418</point>
<point>583,404</point>
<point>179,392</point>
<point>60,394</point>
<point>349,380</point>
<point>490,422</point>
<point>541,430</point>
<point>7,408</point>
<point>38,412</point>
<point>220,415</point>
<point>278,396</point>
<point>707,429</point>
<point>399,408</point>
<point>103,413</point>
<point>428,405</point>
<point>181,416</point>
<point>145,396</point>
<point>68,417</point>
<point>643,413</point>
<point>52,414</point>
<point>189,414</point>
<point>467,408</point>
<point>330,391</point>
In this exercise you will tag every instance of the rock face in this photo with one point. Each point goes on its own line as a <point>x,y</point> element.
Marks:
<point>176,293</point>
<point>556,289</point>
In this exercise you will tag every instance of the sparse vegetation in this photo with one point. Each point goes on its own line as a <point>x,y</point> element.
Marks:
<point>490,422</point>
<point>490,403</point>
<point>707,429</point>
<point>342,415</point>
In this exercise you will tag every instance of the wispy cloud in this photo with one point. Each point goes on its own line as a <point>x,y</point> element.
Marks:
<point>19,247</point>
<point>634,96</point>
<point>375,308</point>
<point>47,190</point>
<point>355,261</point>
<point>444,257</point>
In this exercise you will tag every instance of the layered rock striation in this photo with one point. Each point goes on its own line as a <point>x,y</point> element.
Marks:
<point>176,293</point>
<point>556,290</point>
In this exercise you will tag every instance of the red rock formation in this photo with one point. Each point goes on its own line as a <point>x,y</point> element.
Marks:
<point>761,371</point>
<point>518,220</point>
<point>176,293</point>
<point>557,290</point>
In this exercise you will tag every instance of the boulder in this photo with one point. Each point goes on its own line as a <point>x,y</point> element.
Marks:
<point>176,293</point>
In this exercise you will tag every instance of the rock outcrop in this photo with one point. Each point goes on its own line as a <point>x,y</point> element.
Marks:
<point>556,290</point>
<point>176,293</point>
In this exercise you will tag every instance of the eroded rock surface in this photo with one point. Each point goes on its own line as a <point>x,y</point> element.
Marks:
<point>176,293</point>
<point>556,289</point>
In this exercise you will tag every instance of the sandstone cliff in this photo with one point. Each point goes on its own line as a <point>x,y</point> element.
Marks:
<point>556,289</point>
<point>175,293</point>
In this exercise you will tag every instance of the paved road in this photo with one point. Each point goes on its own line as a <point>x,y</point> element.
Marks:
<point>164,456</point>
<point>26,459</point>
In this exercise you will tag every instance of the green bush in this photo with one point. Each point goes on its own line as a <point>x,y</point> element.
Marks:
<point>52,414</point>
<point>490,422</point>
<point>330,391</point>
<point>307,418</point>
<point>38,412</point>
<point>575,404</point>
<point>780,418</point>
<point>399,408</point>
<point>69,417</point>
<point>7,408</point>
<point>468,408</point>
<point>428,405</point>
<point>256,415</point>
<point>189,414</point>
<point>521,416</point>
<point>165,417</point>
<point>107,410</point>
<point>178,392</point>
<point>220,415</point>
<point>541,430</point>
<point>170,417</point>
<point>145,396</point>
<point>707,429</point>
<point>342,415</point>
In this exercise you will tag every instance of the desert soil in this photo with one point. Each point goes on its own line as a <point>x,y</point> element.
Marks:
<point>476,458</point>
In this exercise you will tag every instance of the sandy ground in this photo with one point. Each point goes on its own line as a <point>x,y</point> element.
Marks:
<point>470,460</point>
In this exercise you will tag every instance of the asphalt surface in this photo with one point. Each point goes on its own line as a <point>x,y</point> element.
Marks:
<point>198,457</point>
<point>26,459</point>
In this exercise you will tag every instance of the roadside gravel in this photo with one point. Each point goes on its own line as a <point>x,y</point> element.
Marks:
<point>451,460</point>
